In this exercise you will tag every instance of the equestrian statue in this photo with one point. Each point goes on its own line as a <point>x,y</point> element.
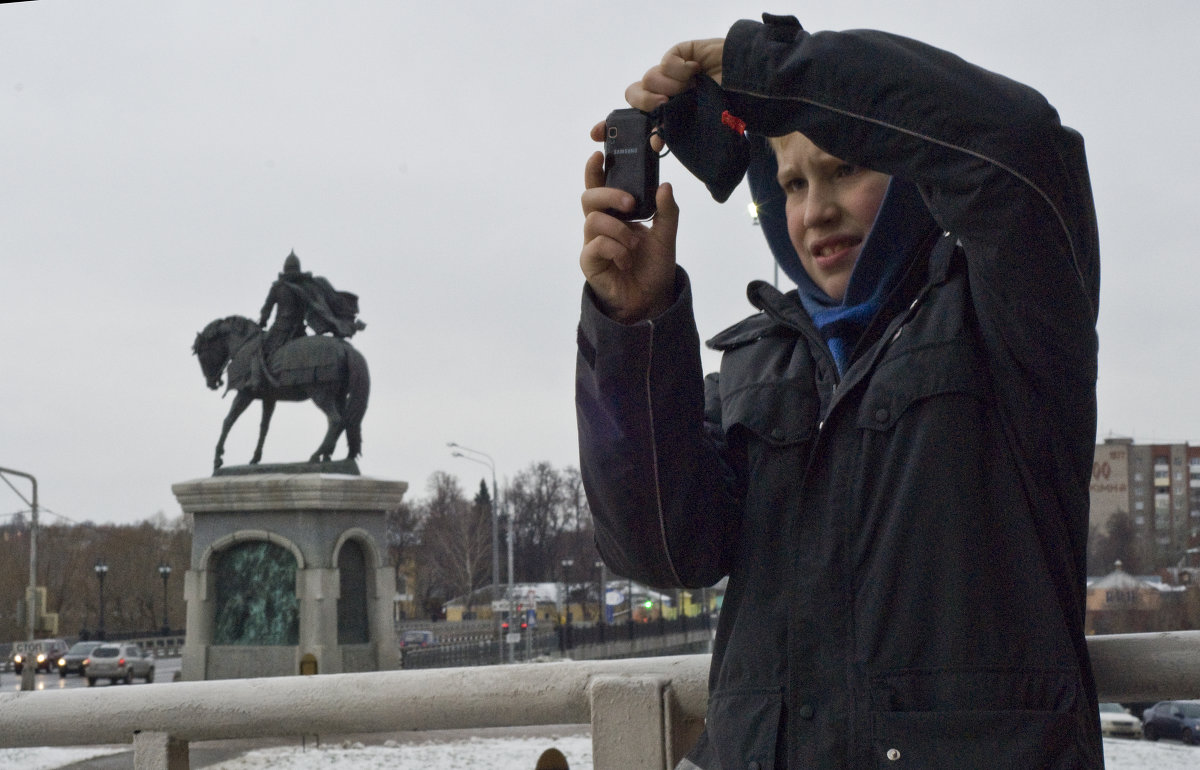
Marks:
<point>285,363</point>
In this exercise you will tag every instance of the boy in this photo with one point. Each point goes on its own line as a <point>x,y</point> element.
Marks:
<point>892,466</point>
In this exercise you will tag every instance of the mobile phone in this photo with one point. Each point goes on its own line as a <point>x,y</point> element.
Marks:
<point>630,163</point>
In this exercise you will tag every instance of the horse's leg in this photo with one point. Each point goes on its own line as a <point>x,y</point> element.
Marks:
<point>353,439</point>
<point>240,402</point>
<point>358,388</point>
<point>268,409</point>
<point>327,401</point>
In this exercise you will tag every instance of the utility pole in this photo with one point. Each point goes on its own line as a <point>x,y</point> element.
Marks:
<point>31,594</point>
<point>31,604</point>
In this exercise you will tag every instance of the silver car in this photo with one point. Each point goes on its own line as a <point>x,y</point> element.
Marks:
<point>118,663</point>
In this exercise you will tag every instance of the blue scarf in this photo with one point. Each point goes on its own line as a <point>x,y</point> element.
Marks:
<point>902,225</point>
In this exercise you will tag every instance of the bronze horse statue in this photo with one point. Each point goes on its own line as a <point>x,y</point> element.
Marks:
<point>328,370</point>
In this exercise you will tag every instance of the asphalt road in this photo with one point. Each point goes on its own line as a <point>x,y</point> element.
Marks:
<point>164,673</point>
<point>165,669</point>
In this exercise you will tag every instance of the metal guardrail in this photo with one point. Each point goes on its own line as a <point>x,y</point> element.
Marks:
<point>577,642</point>
<point>644,712</point>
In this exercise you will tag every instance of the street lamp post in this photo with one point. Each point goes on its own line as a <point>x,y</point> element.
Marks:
<point>602,604</point>
<point>101,570</point>
<point>566,564</point>
<point>486,460</point>
<point>566,641</point>
<point>164,569</point>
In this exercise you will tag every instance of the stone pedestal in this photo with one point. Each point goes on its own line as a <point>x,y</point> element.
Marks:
<point>288,569</point>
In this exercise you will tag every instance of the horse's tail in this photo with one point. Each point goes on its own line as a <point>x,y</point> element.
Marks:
<point>358,388</point>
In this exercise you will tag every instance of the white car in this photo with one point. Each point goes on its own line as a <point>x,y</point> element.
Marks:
<point>1115,720</point>
<point>118,663</point>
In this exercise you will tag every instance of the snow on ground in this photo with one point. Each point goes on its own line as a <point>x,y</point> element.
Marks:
<point>507,754</point>
<point>49,758</point>
<point>522,754</point>
<point>1120,754</point>
<point>494,753</point>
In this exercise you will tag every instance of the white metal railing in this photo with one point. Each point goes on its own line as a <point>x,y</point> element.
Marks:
<point>644,712</point>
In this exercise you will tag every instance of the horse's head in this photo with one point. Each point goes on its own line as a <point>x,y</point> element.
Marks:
<point>212,348</point>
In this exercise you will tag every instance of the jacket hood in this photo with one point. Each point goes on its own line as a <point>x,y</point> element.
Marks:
<point>903,222</point>
<point>717,149</point>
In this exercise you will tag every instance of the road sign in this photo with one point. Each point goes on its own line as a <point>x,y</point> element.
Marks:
<point>514,637</point>
<point>613,598</point>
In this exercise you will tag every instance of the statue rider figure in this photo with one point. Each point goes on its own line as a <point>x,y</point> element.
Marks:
<point>301,299</point>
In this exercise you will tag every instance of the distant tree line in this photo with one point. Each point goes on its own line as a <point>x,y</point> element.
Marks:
<point>440,544</point>
<point>67,555</point>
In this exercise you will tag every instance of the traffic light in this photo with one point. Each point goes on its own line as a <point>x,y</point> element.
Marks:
<point>648,604</point>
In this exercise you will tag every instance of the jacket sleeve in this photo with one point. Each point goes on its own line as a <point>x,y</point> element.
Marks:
<point>989,154</point>
<point>659,491</point>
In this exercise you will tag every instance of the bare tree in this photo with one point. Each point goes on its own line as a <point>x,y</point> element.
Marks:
<point>456,538</point>
<point>1118,542</point>
<point>403,532</point>
<point>536,498</point>
<point>14,577</point>
<point>576,501</point>
<point>68,553</point>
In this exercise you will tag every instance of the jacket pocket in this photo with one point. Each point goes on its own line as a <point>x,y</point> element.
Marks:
<point>779,412</point>
<point>743,727</point>
<point>975,718</point>
<point>956,740</point>
<point>915,375</point>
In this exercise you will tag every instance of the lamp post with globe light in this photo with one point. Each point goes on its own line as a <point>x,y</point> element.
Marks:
<point>101,570</point>
<point>164,570</point>
<point>602,604</point>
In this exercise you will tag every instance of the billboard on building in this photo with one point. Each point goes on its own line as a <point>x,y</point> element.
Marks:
<point>1110,483</point>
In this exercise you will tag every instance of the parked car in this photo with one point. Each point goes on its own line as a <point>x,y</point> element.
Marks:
<point>1173,719</point>
<point>43,653</point>
<point>1115,720</point>
<point>72,660</point>
<point>418,639</point>
<point>118,663</point>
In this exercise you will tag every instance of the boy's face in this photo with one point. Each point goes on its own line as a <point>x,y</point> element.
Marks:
<point>831,206</point>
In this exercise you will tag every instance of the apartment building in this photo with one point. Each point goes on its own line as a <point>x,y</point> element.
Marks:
<point>1158,485</point>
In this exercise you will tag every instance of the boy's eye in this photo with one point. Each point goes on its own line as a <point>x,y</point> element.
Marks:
<point>795,184</point>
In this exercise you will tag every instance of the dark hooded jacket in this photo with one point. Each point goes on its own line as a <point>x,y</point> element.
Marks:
<point>905,541</point>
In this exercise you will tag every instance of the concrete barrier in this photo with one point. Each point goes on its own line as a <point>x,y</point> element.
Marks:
<point>644,712</point>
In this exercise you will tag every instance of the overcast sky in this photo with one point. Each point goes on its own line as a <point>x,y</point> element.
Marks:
<point>160,159</point>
